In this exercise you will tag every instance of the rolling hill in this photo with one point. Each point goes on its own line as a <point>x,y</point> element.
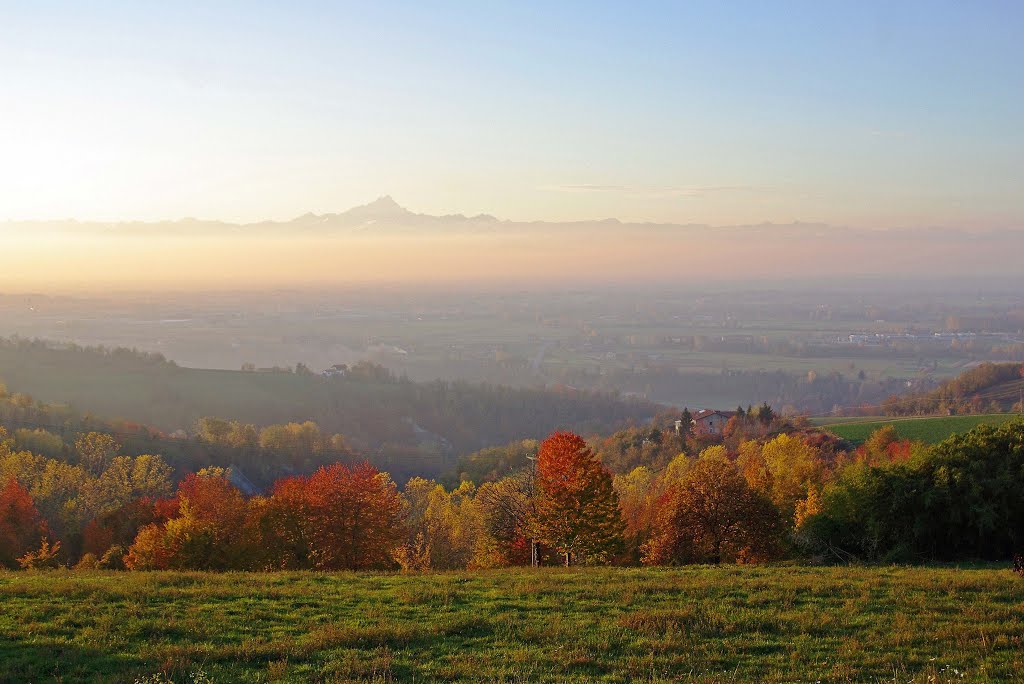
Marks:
<point>376,411</point>
<point>989,388</point>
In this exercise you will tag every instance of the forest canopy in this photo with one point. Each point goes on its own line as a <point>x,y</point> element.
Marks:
<point>769,492</point>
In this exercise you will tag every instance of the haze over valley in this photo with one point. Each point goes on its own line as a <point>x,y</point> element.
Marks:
<point>384,243</point>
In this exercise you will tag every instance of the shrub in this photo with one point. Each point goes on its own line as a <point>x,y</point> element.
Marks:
<point>88,561</point>
<point>113,559</point>
<point>43,558</point>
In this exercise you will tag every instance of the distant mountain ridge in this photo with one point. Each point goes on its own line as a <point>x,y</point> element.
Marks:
<point>381,216</point>
<point>385,216</point>
<point>384,241</point>
<point>384,212</point>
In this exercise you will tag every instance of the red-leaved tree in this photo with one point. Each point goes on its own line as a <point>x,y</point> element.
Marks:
<point>21,527</point>
<point>286,525</point>
<point>577,510</point>
<point>355,517</point>
<point>211,531</point>
<point>338,518</point>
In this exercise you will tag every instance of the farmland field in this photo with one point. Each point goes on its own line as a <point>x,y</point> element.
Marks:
<point>930,430</point>
<point>703,624</point>
<point>672,347</point>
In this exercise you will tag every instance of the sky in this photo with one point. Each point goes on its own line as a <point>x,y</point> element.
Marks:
<point>871,114</point>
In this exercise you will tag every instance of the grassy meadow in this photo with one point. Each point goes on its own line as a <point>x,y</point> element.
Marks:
<point>930,430</point>
<point>693,624</point>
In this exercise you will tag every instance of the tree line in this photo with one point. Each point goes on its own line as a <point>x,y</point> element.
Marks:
<point>768,491</point>
<point>51,430</point>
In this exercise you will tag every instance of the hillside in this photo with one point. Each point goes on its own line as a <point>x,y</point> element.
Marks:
<point>989,387</point>
<point>373,409</point>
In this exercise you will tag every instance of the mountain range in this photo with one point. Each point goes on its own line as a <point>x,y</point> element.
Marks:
<point>385,242</point>
<point>384,216</point>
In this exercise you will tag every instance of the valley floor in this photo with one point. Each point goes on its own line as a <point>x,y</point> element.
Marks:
<point>694,624</point>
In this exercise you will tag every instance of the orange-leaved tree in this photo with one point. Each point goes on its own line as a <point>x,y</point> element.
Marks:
<point>713,515</point>
<point>577,510</point>
<point>355,517</point>
<point>338,518</point>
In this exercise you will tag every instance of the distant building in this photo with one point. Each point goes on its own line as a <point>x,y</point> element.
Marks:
<point>710,422</point>
<point>336,371</point>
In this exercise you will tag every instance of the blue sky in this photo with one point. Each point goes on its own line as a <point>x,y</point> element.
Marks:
<point>870,113</point>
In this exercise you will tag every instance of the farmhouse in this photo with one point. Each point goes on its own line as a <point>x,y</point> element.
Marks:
<point>710,421</point>
<point>338,370</point>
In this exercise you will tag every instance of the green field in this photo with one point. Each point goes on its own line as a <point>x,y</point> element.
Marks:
<point>694,624</point>
<point>930,430</point>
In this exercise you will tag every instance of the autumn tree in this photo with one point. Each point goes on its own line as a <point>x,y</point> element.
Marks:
<point>213,508</point>
<point>39,441</point>
<point>300,441</point>
<point>339,518</point>
<point>151,549</point>
<point>213,430</point>
<point>638,491</point>
<point>793,467</point>
<point>95,451</point>
<point>285,521</point>
<point>46,557</point>
<point>506,508</point>
<point>22,529</point>
<point>577,510</point>
<point>355,517</point>
<point>713,516</point>
<point>120,527</point>
<point>752,465</point>
<point>126,479</point>
<point>212,530</point>
<point>885,446</point>
<point>414,554</point>
<point>55,487</point>
<point>227,433</point>
<point>443,526</point>
<point>675,470</point>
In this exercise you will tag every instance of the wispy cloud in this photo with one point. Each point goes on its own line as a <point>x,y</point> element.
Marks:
<point>585,187</point>
<point>654,191</point>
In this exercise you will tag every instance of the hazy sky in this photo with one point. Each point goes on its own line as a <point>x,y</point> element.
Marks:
<point>874,113</point>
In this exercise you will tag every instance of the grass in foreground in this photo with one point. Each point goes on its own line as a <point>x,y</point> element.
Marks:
<point>700,624</point>
<point>930,430</point>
